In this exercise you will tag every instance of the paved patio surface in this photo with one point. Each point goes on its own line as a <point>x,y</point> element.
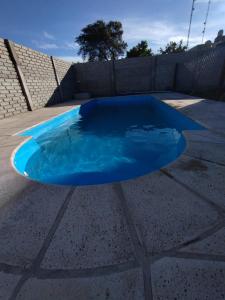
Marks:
<point>160,236</point>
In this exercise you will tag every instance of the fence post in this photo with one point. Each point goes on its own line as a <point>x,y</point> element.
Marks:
<point>57,78</point>
<point>22,80</point>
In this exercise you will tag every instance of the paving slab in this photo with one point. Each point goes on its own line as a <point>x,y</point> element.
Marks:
<point>206,178</point>
<point>10,126</point>
<point>214,244</point>
<point>205,136</point>
<point>26,220</point>
<point>206,146</point>
<point>174,278</point>
<point>207,112</point>
<point>93,232</point>
<point>165,214</point>
<point>125,285</point>
<point>7,284</point>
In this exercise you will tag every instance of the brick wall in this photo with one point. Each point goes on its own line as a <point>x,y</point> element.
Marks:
<point>12,100</point>
<point>40,78</point>
<point>38,71</point>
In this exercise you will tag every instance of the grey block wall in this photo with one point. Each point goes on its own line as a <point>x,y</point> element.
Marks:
<point>192,72</point>
<point>12,100</point>
<point>39,74</point>
<point>95,78</point>
<point>134,75</point>
<point>38,71</point>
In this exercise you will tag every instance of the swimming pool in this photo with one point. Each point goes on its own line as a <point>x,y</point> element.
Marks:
<point>104,140</point>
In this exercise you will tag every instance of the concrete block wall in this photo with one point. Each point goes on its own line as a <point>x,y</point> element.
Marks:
<point>134,75</point>
<point>66,76</point>
<point>192,72</point>
<point>39,74</point>
<point>95,78</point>
<point>40,78</point>
<point>52,81</point>
<point>202,71</point>
<point>12,100</point>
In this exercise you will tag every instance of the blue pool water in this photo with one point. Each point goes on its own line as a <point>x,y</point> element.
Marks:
<point>105,140</point>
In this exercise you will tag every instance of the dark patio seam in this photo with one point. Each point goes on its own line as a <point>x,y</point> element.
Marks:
<point>172,251</point>
<point>207,160</point>
<point>139,247</point>
<point>198,256</point>
<point>37,261</point>
<point>216,207</point>
<point>84,273</point>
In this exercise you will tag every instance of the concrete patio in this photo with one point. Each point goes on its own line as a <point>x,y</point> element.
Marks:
<point>159,236</point>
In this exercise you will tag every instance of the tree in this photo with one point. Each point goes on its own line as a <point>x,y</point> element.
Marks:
<point>140,50</point>
<point>173,47</point>
<point>101,41</point>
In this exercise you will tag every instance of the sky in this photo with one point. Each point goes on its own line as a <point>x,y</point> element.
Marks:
<point>51,26</point>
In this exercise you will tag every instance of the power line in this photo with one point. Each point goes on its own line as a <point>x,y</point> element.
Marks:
<point>191,16</point>
<point>206,19</point>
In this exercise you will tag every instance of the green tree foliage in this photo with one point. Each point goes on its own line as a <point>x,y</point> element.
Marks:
<point>140,50</point>
<point>173,47</point>
<point>101,41</point>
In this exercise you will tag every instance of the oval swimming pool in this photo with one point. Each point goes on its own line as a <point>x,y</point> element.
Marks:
<point>104,140</point>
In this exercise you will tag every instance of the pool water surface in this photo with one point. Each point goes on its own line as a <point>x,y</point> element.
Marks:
<point>105,140</point>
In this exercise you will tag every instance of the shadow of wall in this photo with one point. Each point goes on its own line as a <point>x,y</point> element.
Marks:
<point>65,90</point>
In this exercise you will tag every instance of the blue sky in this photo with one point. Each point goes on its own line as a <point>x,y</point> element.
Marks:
<point>51,26</point>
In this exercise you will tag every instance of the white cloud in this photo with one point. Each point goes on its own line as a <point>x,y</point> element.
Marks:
<point>48,35</point>
<point>71,58</point>
<point>44,45</point>
<point>159,33</point>
<point>70,45</point>
<point>206,1</point>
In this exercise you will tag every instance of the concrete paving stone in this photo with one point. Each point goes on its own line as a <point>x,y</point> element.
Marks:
<point>93,232</point>
<point>186,279</point>
<point>164,213</point>
<point>7,149</point>
<point>204,146</point>
<point>7,284</point>
<point>11,183</point>
<point>26,220</point>
<point>214,244</point>
<point>205,178</point>
<point>210,113</point>
<point>10,126</point>
<point>125,285</point>
<point>204,136</point>
<point>208,151</point>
